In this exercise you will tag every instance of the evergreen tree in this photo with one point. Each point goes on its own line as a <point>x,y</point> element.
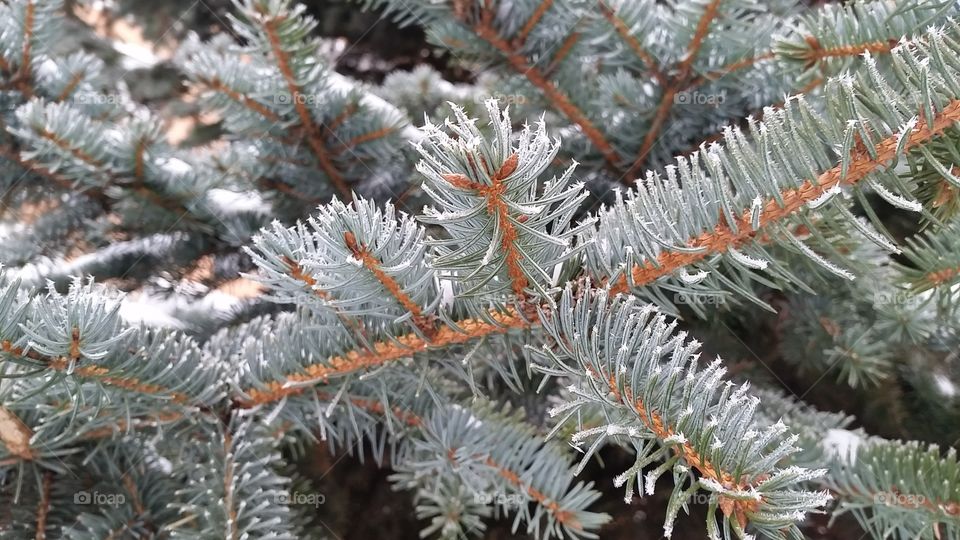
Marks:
<point>179,325</point>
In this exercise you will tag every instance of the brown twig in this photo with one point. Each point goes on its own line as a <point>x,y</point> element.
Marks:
<point>313,135</point>
<point>680,81</point>
<point>531,23</point>
<point>723,237</point>
<point>632,42</point>
<point>43,506</point>
<point>485,31</point>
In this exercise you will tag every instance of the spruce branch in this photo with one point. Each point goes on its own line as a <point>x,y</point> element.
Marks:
<point>526,232</point>
<point>681,81</point>
<point>455,169</point>
<point>556,96</point>
<point>630,38</point>
<point>271,22</point>
<point>626,359</point>
<point>501,460</point>
<point>880,483</point>
<point>758,186</point>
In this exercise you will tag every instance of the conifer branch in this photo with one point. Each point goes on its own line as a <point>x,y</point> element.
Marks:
<point>627,360</point>
<point>564,517</point>
<point>363,138</point>
<point>72,84</point>
<point>852,169</point>
<point>100,374</point>
<point>703,28</point>
<point>313,135</point>
<point>381,353</point>
<point>562,52</point>
<point>24,74</point>
<point>732,67</point>
<point>679,82</point>
<point>215,84</point>
<point>632,42</point>
<point>818,52</point>
<point>532,22</point>
<point>556,97</point>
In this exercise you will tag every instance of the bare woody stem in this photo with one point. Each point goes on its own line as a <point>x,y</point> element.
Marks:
<point>43,506</point>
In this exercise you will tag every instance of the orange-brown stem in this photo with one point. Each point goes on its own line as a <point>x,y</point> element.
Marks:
<point>703,28</point>
<point>659,118</point>
<point>24,76</point>
<point>562,516</point>
<point>552,93</point>
<point>43,506</point>
<point>818,52</point>
<point>940,277</point>
<point>531,23</point>
<point>383,352</point>
<point>64,145</point>
<point>632,42</point>
<point>71,86</point>
<point>656,424</point>
<point>364,138</point>
<point>499,209</point>
<point>730,68</point>
<point>313,136</point>
<point>715,241</point>
<point>562,51</point>
<point>94,372</point>
<point>371,263</point>
<point>723,237</point>
<point>680,81</point>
